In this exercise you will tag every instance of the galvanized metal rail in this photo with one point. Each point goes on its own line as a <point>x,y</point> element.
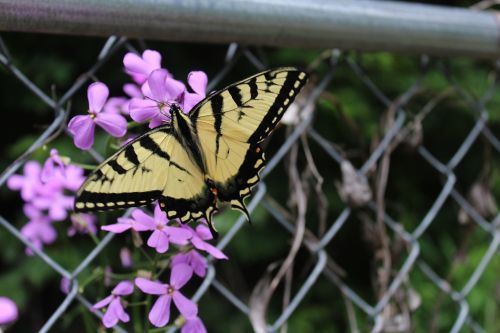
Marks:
<point>365,25</point>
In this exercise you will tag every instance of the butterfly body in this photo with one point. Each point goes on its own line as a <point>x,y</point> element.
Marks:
<point>213,154</point>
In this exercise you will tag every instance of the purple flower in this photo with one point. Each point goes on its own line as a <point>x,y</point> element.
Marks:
<point>126,257</point>
<point>39,229</point>
<point>56,174</point>
<point>8,311</point>
<point>65,285</point>
<point>82,223</point>
<point>57,204</point>
<point>138,67</point>
<point>115,311</point>
<point>198,238</point>
<point>52,165</point>
<point>197,80</point>
<point>193,325</point>
<point>140,221</point>
<point>116,105</point>
<point>163,234</point>
<point>193,259</point>
<point>82,127</point>
<point>27,183</point>
<point>74,177</point>
<point>160,91</point>
<point>160,312</point>
<point>132,90</point>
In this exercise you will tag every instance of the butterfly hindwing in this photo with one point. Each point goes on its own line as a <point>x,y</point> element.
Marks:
<point>186,194</point>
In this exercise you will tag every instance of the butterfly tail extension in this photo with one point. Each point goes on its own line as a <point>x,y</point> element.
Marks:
<point>240,205</point>
<point>236,189</point>
<point>208,216</point>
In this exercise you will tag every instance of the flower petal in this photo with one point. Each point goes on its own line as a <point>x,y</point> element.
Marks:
<point>115,105</point>
<point>160,215</point>
<point>97,94</point>
<point>180,275</point>
<point>204,232</point>
<point>177,235</point>
<point>110,318</point>
<point>159,241</point>
<point>198,82</point>
<point>116,228</point>
<point>186,307</point>
<point>151,287</point>
<point>46,232</point>
<point>143,109</point>
<point>135,66</point>
<point>15,182</point>
<point>174,89</point>
<point>152,58</point>
<point>102,303</point>
<point>117,307</point>
<point>193,325</point>
<point>143,221</point>
<point>82,128</point>
<point>132,90</point>
<point>8,311</point>
<point>156,82</point>
<point>215,252</point>
<point>124,288</point>
<point>113,123</point>
<point>160,313</point>
<point>159,120</point>
<point>190,100</point>
<point>198,263</point>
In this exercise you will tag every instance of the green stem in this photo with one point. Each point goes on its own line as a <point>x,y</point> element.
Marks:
<point>95,238</point>
<point>141,249</point>
<point>84,166</point>
<point>137,303</point>
<point>161,329</point>
<point>97,273</point>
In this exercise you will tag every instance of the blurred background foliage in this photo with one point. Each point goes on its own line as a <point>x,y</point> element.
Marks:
<point>347,114</point>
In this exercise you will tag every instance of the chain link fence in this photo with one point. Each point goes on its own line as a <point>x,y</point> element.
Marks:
<point>357,191</point>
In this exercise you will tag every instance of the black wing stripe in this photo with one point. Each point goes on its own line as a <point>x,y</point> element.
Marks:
<point>217,103</point>
<point>268,120</point>
<point>253,88</point>
<point>117,167</point>
<point>131,155</point>
<point>147,143</point>
<point>235,93</point>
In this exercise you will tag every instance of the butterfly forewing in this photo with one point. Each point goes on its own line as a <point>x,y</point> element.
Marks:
<point>135,175</point>
<point>153,167</point>
<point>249,110</point>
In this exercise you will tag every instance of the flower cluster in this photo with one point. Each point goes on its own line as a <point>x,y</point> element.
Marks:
<point>153,90</point>
<point>186,262</point>
<point>47,193</point>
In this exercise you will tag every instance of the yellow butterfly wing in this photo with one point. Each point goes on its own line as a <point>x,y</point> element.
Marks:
<point>155,166</point>
<point>231,123</point>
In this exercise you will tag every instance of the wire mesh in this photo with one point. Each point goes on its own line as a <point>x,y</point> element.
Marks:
<point>317,246</point>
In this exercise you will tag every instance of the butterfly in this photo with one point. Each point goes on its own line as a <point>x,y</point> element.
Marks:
<point>188,165</point>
